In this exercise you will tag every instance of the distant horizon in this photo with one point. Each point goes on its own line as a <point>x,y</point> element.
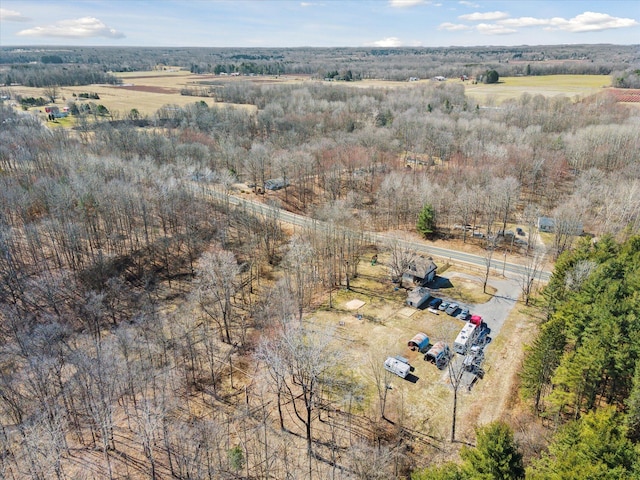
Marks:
<point>364,47</point>
<point>317,23</point>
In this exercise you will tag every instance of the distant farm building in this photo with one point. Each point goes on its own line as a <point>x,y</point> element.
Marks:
<point>54,112</point>
<point>568,226</point>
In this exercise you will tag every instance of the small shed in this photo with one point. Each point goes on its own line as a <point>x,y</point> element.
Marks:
<point>418,297</point>
<point>419,342</point>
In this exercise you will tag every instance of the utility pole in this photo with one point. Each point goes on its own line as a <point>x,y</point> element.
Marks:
<point>504,264</point>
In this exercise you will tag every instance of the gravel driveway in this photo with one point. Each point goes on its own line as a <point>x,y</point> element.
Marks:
<point>495,311</point>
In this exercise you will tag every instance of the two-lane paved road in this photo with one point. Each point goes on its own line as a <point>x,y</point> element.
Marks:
<point>375,237</point>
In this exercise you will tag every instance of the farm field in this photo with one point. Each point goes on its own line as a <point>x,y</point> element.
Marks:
<point>549,86</point>
<point>145,91</point>
<point>149,91</point>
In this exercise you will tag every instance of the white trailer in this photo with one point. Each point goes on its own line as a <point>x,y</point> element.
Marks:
<point>465,338</point>
<point>398,367</point>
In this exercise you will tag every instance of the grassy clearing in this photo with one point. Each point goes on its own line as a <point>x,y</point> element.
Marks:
<point>67,122</point>
<point>120,100</point>
<point>173,72</point>
<point>573,86</point>
<point>383,330</point>
<point>468,291</point>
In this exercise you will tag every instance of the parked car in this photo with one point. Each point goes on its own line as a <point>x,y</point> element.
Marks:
<point>443,306</point>
<point>464,314</point>
<point>435,302</point>
<point>452,309</point>
<point>520,231</point>
<point>482,339</point>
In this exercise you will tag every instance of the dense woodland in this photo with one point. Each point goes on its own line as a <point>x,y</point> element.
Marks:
<point>372,62</point>
<point>149,329</point>
<point>582,374</point>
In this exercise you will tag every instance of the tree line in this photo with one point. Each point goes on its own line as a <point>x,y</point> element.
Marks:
<point>55,75</point>
<point>364,62</point>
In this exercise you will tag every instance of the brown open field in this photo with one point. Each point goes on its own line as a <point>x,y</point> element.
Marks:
<point>149,91</point>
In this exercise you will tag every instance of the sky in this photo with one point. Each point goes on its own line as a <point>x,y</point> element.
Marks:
<point>317,23</point>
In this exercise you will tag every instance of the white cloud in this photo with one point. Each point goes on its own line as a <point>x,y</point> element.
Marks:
<point>479,16</point>
<point>84,27</point>
<point>405,3</point>
<point>469,4</point>
<point>12,16</point>
<point>494,29</point>
<point>388,42</point>
<point>453,27</point>
<point>592,22</point>
<point>585,22</point>
<point>523,22</point>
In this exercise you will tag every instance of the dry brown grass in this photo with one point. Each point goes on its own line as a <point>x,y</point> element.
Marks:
<point>145,91</point>
<point>384,331</point>
<point>149,91</point>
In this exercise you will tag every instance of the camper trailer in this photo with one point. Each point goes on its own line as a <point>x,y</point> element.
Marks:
<point>398,367</point>
<point>465,338</point>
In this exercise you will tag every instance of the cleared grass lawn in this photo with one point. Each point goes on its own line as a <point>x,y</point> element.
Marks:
<point>549,86</point>
<point>384,330</point>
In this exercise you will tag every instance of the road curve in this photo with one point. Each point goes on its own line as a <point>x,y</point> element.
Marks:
<point>253,206</point>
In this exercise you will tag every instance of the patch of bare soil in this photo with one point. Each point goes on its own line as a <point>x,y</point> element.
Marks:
<point>627,95</point>
<point>148,89</point>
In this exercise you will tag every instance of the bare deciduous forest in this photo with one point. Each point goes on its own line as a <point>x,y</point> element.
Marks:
<point>149,328</point>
